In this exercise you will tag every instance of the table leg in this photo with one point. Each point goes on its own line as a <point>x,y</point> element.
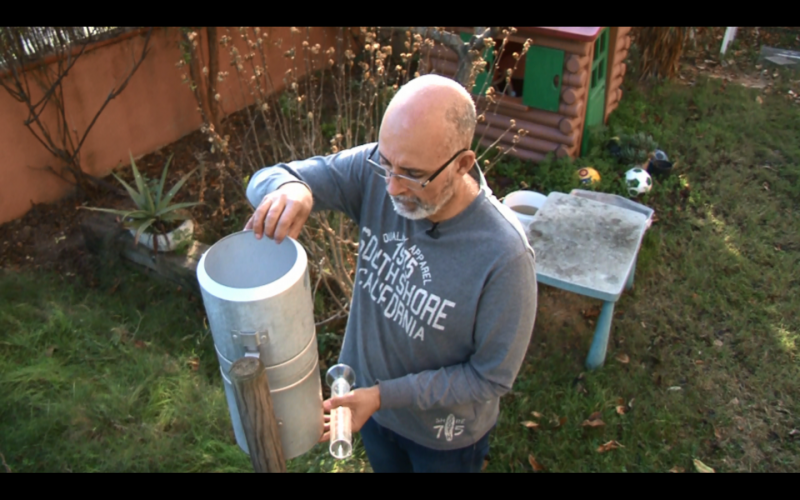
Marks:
<point>597,353</point>
<point>629,283</point>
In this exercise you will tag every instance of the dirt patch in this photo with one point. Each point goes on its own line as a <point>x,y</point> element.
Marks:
<point>49,235</point>
<point>565,319</point>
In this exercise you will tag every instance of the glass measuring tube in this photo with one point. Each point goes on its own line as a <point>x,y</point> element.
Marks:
<point>340,379</point>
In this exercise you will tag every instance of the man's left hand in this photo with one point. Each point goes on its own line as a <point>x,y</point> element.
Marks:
<point>362,403</point>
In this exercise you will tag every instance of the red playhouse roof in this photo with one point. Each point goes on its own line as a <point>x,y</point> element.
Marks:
<point>579,33</point>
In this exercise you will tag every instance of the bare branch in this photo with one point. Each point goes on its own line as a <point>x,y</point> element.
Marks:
<point>114,93</point>
<point>336,316</point>
<point>71,62</point>
<point>446,38</point>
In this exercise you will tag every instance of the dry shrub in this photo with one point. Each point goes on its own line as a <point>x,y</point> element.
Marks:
<point>331,98</point>
<point>661,49</point>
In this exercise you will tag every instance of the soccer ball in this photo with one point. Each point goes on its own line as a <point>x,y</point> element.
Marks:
<point>638,181</point>
<point>588,175</point>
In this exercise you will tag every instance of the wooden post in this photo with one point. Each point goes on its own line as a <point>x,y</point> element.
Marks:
<point>250,384</point>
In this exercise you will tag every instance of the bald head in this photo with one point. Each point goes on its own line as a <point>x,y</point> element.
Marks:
<point>438,108</point>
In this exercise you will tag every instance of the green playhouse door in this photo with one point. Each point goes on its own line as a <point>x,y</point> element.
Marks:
<point>483,80</point>
<point>544,68</point>
<point>596,101</point>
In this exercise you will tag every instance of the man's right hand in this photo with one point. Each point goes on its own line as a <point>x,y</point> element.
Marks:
<point>282,213</point>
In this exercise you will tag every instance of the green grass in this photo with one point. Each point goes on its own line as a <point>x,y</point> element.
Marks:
<point>103,380</point>
<point>713,312</point>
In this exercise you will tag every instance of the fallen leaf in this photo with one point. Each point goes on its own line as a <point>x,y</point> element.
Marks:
<point>558,422</point>
<point>734,401</point>
<point>49,351</point>
<point>591,313</point>
<point>677,469</point>
<point>530,425</point>
<point>759,100</point>
<point>536,465</point>
<point>611,445</point>
<point>139,344</point>
<point>718,343</point>
<point>630,403</point>
<point>536,414</point>
<point>701,467</point>
<point>717,433</point>
<point>794,432</point>
<point>623,358</point>
<point>620,401</point>
<point>595,415</point>
<point>593,423</point>
<point>194,363</point>
<point>698,362</point>
<point>621,410</point>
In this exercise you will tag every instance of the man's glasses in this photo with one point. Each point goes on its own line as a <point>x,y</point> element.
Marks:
<point>404,180</point>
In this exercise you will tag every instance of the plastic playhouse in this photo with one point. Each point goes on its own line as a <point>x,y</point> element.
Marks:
<point>570,79</point>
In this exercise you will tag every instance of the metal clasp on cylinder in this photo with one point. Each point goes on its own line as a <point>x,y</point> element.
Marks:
<point>250,341</point>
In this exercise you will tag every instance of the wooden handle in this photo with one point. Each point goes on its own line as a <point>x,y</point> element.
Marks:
<point>250,384</point>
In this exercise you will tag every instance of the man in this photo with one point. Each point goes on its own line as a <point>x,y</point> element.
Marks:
<point>444,298</point>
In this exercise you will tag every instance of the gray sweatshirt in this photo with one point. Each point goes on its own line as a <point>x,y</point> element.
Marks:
<point>440,319</point>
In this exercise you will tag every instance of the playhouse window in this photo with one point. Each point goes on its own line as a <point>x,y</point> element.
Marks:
<point>505,63</point>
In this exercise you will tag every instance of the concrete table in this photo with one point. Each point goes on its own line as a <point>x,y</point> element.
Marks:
<point>589,248</point>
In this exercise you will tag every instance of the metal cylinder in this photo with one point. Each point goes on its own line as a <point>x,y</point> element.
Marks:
<point>257,297</point>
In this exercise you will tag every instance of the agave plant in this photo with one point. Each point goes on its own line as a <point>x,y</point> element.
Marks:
<point>151,207</point>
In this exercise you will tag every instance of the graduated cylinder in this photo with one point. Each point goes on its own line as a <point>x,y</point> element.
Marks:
<point>257,297</point>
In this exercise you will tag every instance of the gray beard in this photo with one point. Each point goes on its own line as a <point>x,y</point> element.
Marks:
<point>422,210</point>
